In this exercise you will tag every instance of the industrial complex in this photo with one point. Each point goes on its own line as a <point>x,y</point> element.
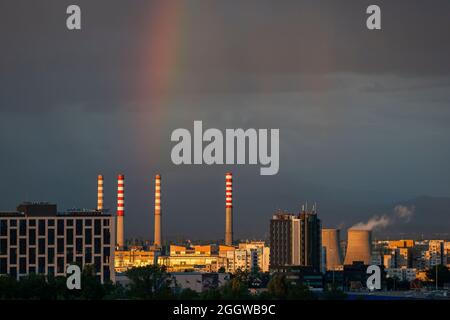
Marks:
<point>36,238</point>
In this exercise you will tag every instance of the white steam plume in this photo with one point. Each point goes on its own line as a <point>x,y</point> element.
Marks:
<point>403,212</point>
<point>373,223</point>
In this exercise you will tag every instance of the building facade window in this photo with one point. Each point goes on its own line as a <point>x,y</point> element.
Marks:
<point>41,227</point>
<point>23,246</point>
<point>79,227</point>
<point>3,228</point>
<point>97,227</point>
<point>23,227</point>
<point>51,237</point>
<point>32,236</point>
<point>60,228</point>
<point>13,237</point>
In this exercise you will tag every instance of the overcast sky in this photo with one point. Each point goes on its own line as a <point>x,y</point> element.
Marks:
<point>363,115</point>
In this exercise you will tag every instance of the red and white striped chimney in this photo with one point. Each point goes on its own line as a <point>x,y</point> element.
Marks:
<point>157,234</point>
<point>120,209</point>
<point>99,192</point>
<point>229,209</point>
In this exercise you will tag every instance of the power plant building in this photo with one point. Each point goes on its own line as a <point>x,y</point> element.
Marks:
<point>331,243</point>
<point>359,247</point>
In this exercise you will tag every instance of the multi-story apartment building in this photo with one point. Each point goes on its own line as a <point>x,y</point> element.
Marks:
<point>237,259</point>
<point>37,239</point>
<point>447,253</point>
<point>395,244</point>
<point>435,253</point>
<point>296,240</point>
<point>281,241</point>
<point>389,261</point>
<point>260,252</point>
<point>403,257</point>
<point>403,274</point>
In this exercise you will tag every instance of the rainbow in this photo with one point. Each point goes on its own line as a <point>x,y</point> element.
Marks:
<point>160,52</point>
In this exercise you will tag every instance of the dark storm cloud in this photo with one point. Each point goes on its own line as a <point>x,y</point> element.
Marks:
<point>322,36</point>
<point>225,46</point>
<point>363,115</point>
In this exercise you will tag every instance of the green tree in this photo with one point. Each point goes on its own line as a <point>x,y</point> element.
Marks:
<point>34,287</point>
<point>211,294</point>
<point>188,294</point>
<point>114,291</point>
<point>8,288</point>
<point>277,287</point>
<point>443,275</point>
<point>149,282</point>
<point>59,289</point>
<point>236,288</point>
<point>299,292</point>
<point>91,286</point>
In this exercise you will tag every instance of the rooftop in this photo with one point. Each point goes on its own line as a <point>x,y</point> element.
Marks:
<point>45,209</point>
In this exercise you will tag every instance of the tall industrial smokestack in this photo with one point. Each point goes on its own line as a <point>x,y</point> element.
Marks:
<point>229,209</point>
<point>120,209</point>
<point>99,192</point>
<point>157,235</point>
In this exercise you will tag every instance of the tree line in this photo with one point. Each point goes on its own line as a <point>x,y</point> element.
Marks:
<point>154,282</point>
<point>149,282</point>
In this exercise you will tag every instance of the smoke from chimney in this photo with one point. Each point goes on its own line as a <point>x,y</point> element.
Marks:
<point>373,223</point>
<point>400,212</point>
<point>403,212</point>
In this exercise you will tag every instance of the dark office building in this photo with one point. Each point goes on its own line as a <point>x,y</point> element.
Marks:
<point>310,240</point>
<point>280,240</point>
<point>295,240</point>
<point>37,239</point>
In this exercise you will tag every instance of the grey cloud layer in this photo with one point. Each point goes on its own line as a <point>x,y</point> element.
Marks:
<point>363,116</point>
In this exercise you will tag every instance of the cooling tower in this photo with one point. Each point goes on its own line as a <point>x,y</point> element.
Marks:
<point>157,234</point>
<point>120,209</point>
<point>330,241</point>
<point>359,244</point>
<point>228,209</point>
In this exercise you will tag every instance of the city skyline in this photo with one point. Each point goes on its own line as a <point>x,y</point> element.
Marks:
<point>377,223</point>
